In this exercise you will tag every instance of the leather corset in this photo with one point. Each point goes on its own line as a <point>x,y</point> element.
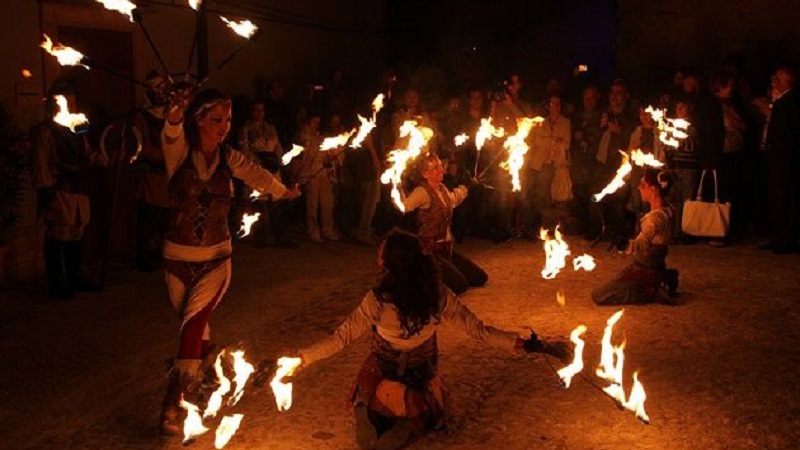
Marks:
<point>199,210</point>
<point>433,223</point>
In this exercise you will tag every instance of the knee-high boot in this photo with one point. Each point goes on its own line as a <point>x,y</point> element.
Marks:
<point>54,265</point>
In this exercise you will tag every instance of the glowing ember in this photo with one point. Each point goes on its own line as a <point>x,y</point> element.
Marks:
<point>247,223</point>
<point>66,118</point>
<point>461,139</point>
<point>215,402</point>
<point>291,154</point>
<point>363,131</point>
<point>418,137</point>
<point>255,194</point>
<point>122,6</point>
<point>556,251</point>
<point>26,73</point>
<point>517,148</point>
<point>244,28</point>
<point>193,425</point>
<point>561,298</point>
<point>486,132</point>
<point>619,179</point>
<point>281,390</point>
<point>242,371</point>
<point>671,131</point>
<point>195,4</point>
<point>377,106</point>
<point>66,56</point>
<point>226,429</point>
<point>576,366</point>
<point>584,262</point>
<point>641,159</point>
<point>333,142</point>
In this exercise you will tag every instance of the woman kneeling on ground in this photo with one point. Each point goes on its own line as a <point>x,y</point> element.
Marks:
<point>398,391</point>
<point>647,279</point>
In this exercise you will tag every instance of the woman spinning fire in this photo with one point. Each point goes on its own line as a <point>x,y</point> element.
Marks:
<point>197,245</point>
<point>398,390</point>
<point>643,281</point>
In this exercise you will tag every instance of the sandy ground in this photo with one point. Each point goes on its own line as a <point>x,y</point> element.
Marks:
<point>719,370</point>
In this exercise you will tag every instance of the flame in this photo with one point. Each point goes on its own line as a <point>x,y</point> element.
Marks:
<point>195,4</point>
<point>641,158</point>
<point>418,137</point>
<point>66,118</point>
<point>243,28</point>
<point>486,131</point>
<point>283,391</point>
<point>242,371</point>
<point>619,179</point>
<point>363,131</point>
<point>215,402</point>
<point>561,298</point>
<point>247,222</point>
<point>193,425</point>
<point>576,366</point>
<point>255,194</point>
<point>556,251</point>
<point>377,106</point>
<point>671,131</point>
<point>585,262</point>
<point>517,148</point>
<point>66,56</point>
<point>26,73</point>
<point>226,429</point>
<point>295,151</point>
<point>122,6</point>
<point>612,360</point>
<point>461,139</point>
<point>333,142</point>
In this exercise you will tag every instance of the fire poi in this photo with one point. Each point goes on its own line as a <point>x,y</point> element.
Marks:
<point>66,118</point>
<point>400,158</point>
<point>517,148</point>
<point>281,390</point>
<point>247,223</point>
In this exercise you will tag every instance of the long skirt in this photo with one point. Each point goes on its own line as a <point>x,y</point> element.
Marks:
<point>401,385</point>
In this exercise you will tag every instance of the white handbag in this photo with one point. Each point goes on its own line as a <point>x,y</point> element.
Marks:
<point>706,219</point>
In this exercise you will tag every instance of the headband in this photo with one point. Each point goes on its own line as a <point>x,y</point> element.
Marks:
<point>206,106</point>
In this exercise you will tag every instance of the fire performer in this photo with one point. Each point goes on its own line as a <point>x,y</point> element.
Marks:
<point>643,280</point>
<point>436,203</point>
<point>197,246</point>
<point>60,160</point>
<point>398,390</point>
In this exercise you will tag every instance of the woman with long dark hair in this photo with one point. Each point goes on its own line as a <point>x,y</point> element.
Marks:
<point>197,244</point>
<point>647,279</point>
<point>398,390</point>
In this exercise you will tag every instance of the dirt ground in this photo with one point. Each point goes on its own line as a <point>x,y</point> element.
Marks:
<point>718,370</point>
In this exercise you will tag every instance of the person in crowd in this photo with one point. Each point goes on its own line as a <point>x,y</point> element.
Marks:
<point>259,139</point>
<point>60,158</point>
<point>278,112</point>
<point>364,165</point>
<point>398,391</point>
<point>152,210</point>
<point>783,162</point>
<point>434,221</point>
<point>586,133</point>
<point>645,138</point>
<point>683,163</point>
<point>548,155</point>
<point>315,167</point>
<point>647,279</point>
<point>197,246</point>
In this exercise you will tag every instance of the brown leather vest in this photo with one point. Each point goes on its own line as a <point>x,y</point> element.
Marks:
<point>433,223</point>
<point>199,210</point>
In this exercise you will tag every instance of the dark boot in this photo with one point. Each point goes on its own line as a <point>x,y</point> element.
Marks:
<point>182,383</point>
<point>72,266</point>
<point>672,282</point>
<point>366,434</point>
<point>396,436</point>
<point>54,266</point>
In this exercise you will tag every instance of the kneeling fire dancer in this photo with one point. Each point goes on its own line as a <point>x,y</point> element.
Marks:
<point>197,244</point>
<point>398,390</point>
<point>647,279</point>
<point>436,204</point>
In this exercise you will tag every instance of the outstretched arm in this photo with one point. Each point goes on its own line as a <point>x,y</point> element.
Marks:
<point>257,177</point>
<point>458,314</point>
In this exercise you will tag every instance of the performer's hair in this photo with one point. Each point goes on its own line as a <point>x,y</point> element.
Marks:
<point>662,179</point>
<point>202,102</point>
<point>411,281</point>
